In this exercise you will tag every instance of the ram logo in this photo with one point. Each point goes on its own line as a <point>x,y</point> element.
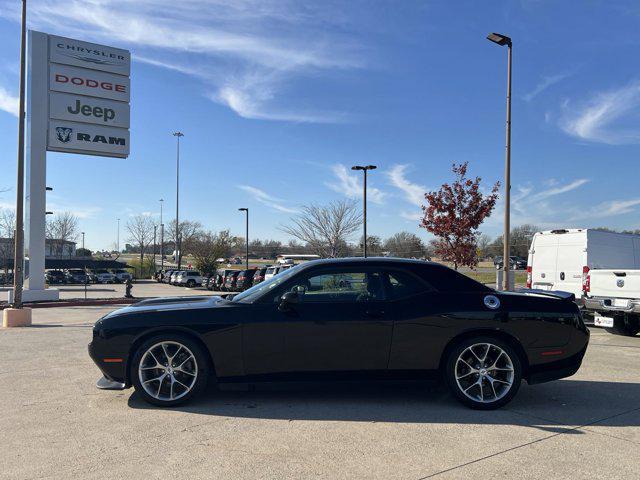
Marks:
<point>620,283</point>
<point>64,134</point>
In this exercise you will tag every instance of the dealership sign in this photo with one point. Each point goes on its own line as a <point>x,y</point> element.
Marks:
<point>88,94</point>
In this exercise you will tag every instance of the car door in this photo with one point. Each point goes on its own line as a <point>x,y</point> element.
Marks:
<point>339,323</point>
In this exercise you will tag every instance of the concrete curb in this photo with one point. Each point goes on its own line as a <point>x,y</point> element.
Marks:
<point>79,303</point>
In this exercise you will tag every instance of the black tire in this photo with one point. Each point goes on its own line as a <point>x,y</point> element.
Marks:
<point>191,283</point>
<point>625,326</point>
<point>503,395</point>
<point>202,369</point>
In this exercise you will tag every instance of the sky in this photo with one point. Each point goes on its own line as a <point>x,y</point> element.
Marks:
<point>278,99</point>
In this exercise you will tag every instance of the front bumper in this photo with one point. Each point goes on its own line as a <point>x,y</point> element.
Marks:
<point>113,371</point>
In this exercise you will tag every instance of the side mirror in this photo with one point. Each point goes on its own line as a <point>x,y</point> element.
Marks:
<point>288,299</point>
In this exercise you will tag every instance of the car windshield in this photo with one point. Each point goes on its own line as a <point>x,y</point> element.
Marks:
<point>255,292</point>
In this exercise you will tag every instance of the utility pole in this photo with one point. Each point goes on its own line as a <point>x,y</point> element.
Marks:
<point>18,257</point>
<point>118,238</point>
<point>154,249</point>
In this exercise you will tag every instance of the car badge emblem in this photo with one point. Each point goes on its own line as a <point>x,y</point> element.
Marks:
<point>492,302</point>
<point>64,134</point>
<point>620,283</point>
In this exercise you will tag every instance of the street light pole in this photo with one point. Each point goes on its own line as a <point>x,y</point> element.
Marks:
<point>364,201</point>
<point>154,249</point>
<point>82,241</point>
<point>503,40</point>
<point>118,238</point>
<point>161,238</point>
<point>18,256</point>
<point>246,238</point>
<point>178,252</point>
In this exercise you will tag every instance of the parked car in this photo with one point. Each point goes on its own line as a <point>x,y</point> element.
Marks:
<point>77,275</point>
<point>399,317</point>
<point>612,300</point>
<point>55,277</point>
<point>167,276</point>
<point>104,276</point>
<point>272,272</point>
<point>211,282</point>
<point>245,279</point>
<point>189,278</point>
<point>230,281</point>
<point>258,277</point>
<point>515,263</point>
<point>224,274</point>
<point>174,276</point>
<point>121,276</point>
<point>561,259</point>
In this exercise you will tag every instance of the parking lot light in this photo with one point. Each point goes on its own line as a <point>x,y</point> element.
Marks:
<point>364,169</point>
<point>246,240</point>
<point>503,40</point>
<point>178,252</point>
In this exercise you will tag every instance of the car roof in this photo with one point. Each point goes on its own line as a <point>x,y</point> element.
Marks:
<point>386,261</point>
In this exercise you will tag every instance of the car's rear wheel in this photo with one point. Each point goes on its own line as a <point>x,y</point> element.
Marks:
<point>628,327</point>
<point>169,369</point>
<point>483,372</point>
<point>191,283</point>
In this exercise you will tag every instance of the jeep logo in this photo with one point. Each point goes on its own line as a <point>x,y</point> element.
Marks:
<point>105,114</point>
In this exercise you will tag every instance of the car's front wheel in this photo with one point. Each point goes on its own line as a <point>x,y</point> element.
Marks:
<point>170,369</point>
<point>483,372</point>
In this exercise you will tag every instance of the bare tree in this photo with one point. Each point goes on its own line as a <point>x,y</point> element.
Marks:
<point>60,230</point>
<point>209,247</point>
<point>326,229</point>
<point>405,245</point>
<point>188,232</point>
<point>7,234</point>
<point>140,230</point>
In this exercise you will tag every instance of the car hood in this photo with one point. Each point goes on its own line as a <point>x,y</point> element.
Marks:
<point>167,304</point>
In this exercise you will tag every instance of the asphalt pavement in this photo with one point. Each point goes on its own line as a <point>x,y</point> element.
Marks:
<point>56,424</point>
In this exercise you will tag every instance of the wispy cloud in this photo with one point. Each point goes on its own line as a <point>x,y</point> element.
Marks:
<point>546,82</point>
<point>602,117</point>
<point>412,192</point>
<point>608,209</point>
<point>350,185</point>
<point>8,102</point>
<point>245,52</point>
<point>266,199</point>
<point>556,190</point>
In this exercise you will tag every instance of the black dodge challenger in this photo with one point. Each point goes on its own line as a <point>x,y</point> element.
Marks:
<point>347,318</point>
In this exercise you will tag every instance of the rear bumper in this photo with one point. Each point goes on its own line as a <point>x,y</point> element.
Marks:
<point>605,304</point>
<point>555,370</point>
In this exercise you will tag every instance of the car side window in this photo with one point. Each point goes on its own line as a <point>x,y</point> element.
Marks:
<point>340,286</point>
<point>402,285</point>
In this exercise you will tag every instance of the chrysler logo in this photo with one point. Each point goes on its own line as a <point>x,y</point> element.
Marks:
<point>64,134</point>
<point>620,283</point>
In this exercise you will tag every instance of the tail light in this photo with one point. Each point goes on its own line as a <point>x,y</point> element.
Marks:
<point>586,280</point>
<point>529,276</point>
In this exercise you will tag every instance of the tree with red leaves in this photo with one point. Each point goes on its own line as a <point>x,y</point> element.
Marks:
<point>453,215</point>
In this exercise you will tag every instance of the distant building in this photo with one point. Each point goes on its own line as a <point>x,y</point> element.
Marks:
<point>53,248</point>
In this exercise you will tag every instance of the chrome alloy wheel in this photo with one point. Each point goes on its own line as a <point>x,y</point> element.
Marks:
<point>484,372</point>
<point>168,371</point>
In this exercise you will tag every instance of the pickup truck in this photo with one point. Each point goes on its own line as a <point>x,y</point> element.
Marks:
<point>612,297</point>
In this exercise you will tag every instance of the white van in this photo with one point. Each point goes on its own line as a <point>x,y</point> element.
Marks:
<point>561,259</point>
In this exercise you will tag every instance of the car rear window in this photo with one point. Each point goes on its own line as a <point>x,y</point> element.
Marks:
<point>446,279</point>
